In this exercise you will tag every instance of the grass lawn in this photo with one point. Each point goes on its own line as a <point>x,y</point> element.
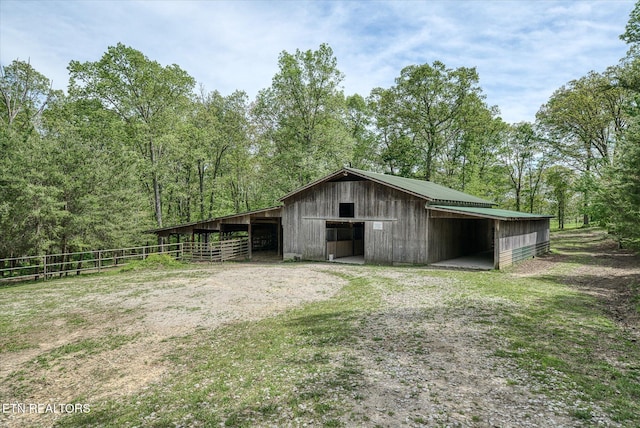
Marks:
<point>308,364</point>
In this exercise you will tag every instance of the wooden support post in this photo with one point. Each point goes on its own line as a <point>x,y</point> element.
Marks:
<point>279,233</point>
<point>250,239</point>
<point>496,244</point>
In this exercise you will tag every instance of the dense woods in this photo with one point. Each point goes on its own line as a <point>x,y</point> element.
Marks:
<point>135,145</point>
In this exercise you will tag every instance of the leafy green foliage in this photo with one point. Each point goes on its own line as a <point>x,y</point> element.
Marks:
<point>153,262</point>
<point>149,99</point>
<point>582,120</point>
<point>434,124</point>
<point>300,120</point>
<point>632,30</point>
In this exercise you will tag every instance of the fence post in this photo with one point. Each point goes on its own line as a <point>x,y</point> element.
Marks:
<point>44,267</point>
<point>99,260</point>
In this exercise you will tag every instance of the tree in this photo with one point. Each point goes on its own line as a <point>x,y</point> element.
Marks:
<point>300,119</point>
<point>525,159</point>
<point>95,177</point>
<point>214,142</point>
<point>397,153</point>
<point>581,121</point>
<point>148,97</point>
<point>620,195</point>
<point>632,29</point>
<point>470,164</point>
<point>24,94</point>
<point>432,103</point>
<point>359,124</point>
<point>28,202</point>
<point>517,153</point>
<point>560,180</point>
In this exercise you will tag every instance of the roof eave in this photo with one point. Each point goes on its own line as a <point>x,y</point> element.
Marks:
<point>452,210</point>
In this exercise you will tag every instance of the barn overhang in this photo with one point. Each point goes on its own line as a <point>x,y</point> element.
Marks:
<point>514,235</point>
<point>233,222</point>
<point>483,212</point>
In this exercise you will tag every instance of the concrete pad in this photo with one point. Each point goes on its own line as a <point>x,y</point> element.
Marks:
<point>352,260</point>
<point>482,261</point>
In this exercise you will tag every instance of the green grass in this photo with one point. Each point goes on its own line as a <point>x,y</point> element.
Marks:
<point>153,261</point>
<point>83,348</point>
<point>567,340</point>
<point>567,226</point>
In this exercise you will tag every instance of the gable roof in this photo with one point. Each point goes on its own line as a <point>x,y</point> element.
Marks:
<point>431,192</point>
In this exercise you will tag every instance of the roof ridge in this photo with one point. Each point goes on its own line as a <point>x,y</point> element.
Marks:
<point>425,188</point>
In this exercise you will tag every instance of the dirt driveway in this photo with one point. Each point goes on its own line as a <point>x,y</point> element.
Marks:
<point>146,315</point>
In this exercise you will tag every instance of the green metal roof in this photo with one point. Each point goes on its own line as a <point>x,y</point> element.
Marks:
<point>493,213</point>
<point>427,189</point>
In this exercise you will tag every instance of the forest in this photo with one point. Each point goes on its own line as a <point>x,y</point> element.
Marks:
<point>133,145</point>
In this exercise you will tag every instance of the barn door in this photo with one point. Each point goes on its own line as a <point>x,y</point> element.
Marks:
<point>378,242</point>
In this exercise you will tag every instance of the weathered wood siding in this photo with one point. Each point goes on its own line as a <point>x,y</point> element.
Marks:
<point>398,235</point>
<point>519,240</point>
<point>378,242</point>
<point>457,237</point>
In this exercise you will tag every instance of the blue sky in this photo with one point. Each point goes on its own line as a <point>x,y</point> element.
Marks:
<point>523,50</point>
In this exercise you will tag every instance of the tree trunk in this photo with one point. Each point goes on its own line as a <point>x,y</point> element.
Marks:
<point>156,184</point>
<point>201,187</point>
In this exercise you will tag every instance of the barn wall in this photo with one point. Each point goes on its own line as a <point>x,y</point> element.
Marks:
<point>519,240</point>
<point>457,237</point>
<point>395,223</point>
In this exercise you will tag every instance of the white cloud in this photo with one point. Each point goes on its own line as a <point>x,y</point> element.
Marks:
<point>523,50</point>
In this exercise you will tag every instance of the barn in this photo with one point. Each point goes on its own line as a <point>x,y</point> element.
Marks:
<point>361,216</point>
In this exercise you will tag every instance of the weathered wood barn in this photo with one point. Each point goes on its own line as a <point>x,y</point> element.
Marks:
<point>379,218</point>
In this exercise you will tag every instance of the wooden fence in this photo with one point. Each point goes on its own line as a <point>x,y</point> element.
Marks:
<point>50,265</point>
<point>219,251</point>
<point>64,264</point>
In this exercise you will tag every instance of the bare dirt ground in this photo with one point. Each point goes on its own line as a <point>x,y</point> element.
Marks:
<point>152,313</point>
<point>439,372</point>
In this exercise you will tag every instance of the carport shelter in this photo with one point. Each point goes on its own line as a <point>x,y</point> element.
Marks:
<point>385,219</point>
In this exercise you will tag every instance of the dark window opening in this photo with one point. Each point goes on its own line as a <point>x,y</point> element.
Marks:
<point>347,210</point>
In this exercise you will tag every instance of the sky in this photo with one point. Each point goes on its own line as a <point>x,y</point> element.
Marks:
<point>523,50</point>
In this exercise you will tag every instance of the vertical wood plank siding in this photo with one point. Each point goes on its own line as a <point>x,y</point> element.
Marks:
<point>519,240</point>
<point>402,238</point>
<point>378,243</point>
<point>404,231</point>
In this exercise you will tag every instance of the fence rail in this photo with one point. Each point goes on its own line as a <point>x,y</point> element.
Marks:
<point>219,251</point>
<point>47,266</point>
<point>64,264</point>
